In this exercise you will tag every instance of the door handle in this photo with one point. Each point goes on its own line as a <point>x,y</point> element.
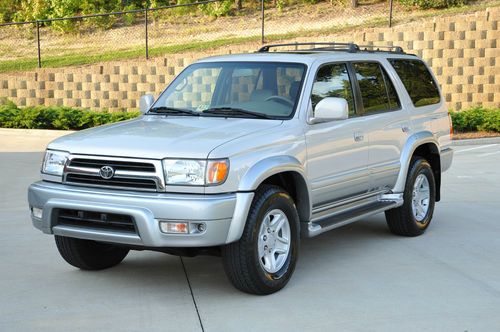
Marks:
<point>358,136</point>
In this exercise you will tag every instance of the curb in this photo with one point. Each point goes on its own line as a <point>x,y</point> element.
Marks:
<point>476,141</point>
<point>35,132</point>
<point>28,140</point>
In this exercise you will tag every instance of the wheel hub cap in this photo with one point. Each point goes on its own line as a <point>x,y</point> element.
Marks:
<point>274,241</point>
<point>420,198</point>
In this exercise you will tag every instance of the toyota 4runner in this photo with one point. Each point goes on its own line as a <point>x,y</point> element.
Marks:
<point>241,155</point>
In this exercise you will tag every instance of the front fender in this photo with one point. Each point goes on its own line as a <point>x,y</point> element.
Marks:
<point>255,176</point>
<point>269,167</point>
<point>413,142</point>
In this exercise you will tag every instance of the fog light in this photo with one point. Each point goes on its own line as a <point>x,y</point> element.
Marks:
<point>37,213</point>
<point>174,227</point>
<point>201,227</point>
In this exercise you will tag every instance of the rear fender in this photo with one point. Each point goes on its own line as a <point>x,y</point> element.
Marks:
<point>413,142</point>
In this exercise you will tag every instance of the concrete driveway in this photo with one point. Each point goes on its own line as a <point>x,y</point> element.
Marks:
<point>357,278</point>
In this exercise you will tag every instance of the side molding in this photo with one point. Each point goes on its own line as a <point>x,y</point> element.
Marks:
<point>413,142</point>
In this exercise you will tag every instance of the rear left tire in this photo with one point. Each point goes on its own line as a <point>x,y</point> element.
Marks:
<point>415,215</point>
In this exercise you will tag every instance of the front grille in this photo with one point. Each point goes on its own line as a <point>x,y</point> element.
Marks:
<point>92,219</point>
<point>128,173</point>
<point>131,183</point>
<point>117,165</point>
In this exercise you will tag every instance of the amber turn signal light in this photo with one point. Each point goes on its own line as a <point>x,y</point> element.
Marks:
<point>217,171</point>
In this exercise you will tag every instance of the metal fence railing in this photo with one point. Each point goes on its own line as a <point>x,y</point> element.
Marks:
<point>176,28</point>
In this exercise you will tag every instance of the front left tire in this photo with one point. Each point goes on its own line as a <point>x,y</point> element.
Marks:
<point>263,260</point>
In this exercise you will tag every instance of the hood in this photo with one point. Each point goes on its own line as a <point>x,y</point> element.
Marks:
<point>158,137</point>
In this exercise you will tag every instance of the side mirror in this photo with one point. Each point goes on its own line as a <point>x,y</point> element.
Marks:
<point>145,103</point>
<point>331,109</point>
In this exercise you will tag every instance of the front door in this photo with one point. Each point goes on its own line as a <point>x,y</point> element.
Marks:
<point>337,150</point>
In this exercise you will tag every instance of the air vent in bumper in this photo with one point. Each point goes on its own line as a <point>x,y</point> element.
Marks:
<point>95,220</point>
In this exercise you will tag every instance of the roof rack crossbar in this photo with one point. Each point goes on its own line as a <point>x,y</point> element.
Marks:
<point>377,48</point>
<point>333,46</point>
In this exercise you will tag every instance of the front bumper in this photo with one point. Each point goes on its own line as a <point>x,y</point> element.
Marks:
<point>224,214</point>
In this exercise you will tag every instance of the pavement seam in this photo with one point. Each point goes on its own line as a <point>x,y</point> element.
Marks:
<point>192,295</point>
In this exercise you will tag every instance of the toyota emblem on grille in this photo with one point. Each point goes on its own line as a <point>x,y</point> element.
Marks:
<point>106,172</point>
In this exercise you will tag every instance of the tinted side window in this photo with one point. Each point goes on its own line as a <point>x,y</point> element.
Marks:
<point>417,80</point>
<point>288,80</point>
<point>333,81</point>
<point>394,103</point>
<point>377,91</point>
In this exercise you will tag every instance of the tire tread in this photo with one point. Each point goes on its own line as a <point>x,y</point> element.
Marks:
<point>85,254</point>
<point>237,260</point>
<point>400,220</point>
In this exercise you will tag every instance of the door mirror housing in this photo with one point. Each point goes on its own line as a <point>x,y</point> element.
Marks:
<point>145,103</point>
<point>330,109</point>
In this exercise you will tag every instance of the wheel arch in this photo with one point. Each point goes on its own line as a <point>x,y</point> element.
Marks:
<point>286,172</point>
<point>425,145</point>
<point>430,152</point>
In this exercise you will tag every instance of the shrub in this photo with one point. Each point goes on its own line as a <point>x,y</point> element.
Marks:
<point>491,121</point>
<point>129,18</point>
<point>56,117</point>
<point>281,4</point>
<point>63,8</point>
<point>183,10</point>
<point>30,10</point>
<point>217,9</point>
<point>477,118</point>
<point>427,4</point>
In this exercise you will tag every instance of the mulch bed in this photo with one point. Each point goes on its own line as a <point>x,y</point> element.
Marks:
<point>476,134</point>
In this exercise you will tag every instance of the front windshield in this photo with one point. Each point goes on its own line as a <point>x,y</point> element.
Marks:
<point>235,89</point>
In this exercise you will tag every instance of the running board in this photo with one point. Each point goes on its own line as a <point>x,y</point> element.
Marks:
<point>347,216</point>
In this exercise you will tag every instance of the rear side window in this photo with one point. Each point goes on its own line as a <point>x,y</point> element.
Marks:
<point>377,91</point>
<point>417,80</point>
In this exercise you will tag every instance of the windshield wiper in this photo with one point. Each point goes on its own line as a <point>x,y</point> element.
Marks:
<point>172,110</point>
<point>227,111</point>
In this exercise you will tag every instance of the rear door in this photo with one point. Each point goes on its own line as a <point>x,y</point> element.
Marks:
<point>387,122</point>
<point>428,112</point>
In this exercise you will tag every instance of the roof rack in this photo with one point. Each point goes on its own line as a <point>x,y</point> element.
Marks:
<point>375,48</point>
<point>333,46</point>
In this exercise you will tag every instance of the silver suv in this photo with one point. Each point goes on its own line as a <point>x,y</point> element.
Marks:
<point>242,155</point>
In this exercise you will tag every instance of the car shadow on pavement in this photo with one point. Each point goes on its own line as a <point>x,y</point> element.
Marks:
<point>140,270</point>
<point>352,241</point>
<point>162,272</point>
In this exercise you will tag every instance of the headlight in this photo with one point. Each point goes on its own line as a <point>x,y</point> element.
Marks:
<point>195,172</point>
<point>184,172</point>
<point>54,162</point>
